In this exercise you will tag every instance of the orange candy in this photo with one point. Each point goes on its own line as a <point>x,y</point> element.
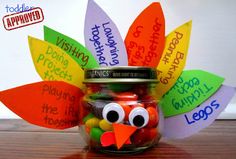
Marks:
<point>87,129</point>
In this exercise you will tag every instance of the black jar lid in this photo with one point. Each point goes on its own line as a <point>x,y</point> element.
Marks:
<point>120,74</point>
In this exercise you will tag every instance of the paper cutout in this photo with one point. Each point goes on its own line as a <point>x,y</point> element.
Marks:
<point>73,48</point>
<point>185,125</point>
<point>173,58</point>
<point>122,133</point>
<point>102,37</point>
<point>51,104</point>
<point>146,37</point>
<point>191,89</point>
<point>52,63</point>
<point>108,139</point>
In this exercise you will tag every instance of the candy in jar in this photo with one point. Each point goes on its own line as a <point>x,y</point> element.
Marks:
<point>123,115</point>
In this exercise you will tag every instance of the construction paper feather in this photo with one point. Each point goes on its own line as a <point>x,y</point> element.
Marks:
<point>173,58</point>
<point>190,123</point>
<point>51,104</point>
<point>146,37</point>
<point>52,63</point>
<point>102,37</point>
<point>73,48</point>
<point>191,89</point>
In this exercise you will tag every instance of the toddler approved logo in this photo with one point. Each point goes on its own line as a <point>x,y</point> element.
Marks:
<point>21,19</point>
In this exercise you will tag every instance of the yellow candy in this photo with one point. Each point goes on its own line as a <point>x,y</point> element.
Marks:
<point>104,125</point>
<point>93,122</point>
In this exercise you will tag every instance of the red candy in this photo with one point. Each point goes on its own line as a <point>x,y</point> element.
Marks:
<point>128,111</point>
<point>151,104</point>
<point>126,96</point>
<point>152,134</point>
<point>141,90</point>
<point>148,98</point>
<point>92,88</point>
<point>144,135</point>
<point>149,101</point>
<point>153,117</point>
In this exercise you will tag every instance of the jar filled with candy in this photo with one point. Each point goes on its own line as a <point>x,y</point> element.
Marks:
<point>122,112</point>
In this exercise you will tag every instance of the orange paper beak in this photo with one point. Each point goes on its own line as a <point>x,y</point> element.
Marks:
<point>122,133</point>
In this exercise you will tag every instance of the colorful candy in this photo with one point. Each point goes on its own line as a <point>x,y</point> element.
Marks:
<point>93,88</point>
<point>144,136</point>
<point>126,96</point>
<point>119,87</point>
<point>96,125</point>
<point>141,90</point>
<point>100,96</point>
<point>95,134</point>
<point>137,109</point>
<point>87,129</point>
<point>149,101</point>
<point>104,125</point>
<point>93,122</point>
<point>87,117</point>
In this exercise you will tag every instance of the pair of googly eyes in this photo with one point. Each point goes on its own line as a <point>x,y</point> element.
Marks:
<point>114,113</point>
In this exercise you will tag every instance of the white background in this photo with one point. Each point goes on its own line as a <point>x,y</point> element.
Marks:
<point>212,47</point>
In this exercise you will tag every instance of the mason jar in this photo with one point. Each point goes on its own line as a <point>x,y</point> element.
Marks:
<point>122,114</point>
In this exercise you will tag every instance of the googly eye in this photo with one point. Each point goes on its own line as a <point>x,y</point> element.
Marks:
<point>113,113</point>
<point>139,117</point>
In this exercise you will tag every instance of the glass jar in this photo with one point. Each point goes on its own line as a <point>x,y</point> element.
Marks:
<point>122,112</point>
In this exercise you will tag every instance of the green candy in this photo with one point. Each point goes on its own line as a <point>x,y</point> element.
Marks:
<point>87,117</point>
<point>96,134</point>
<point>100,96</point>
<point>120,87</point>
<point>93,122</point>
